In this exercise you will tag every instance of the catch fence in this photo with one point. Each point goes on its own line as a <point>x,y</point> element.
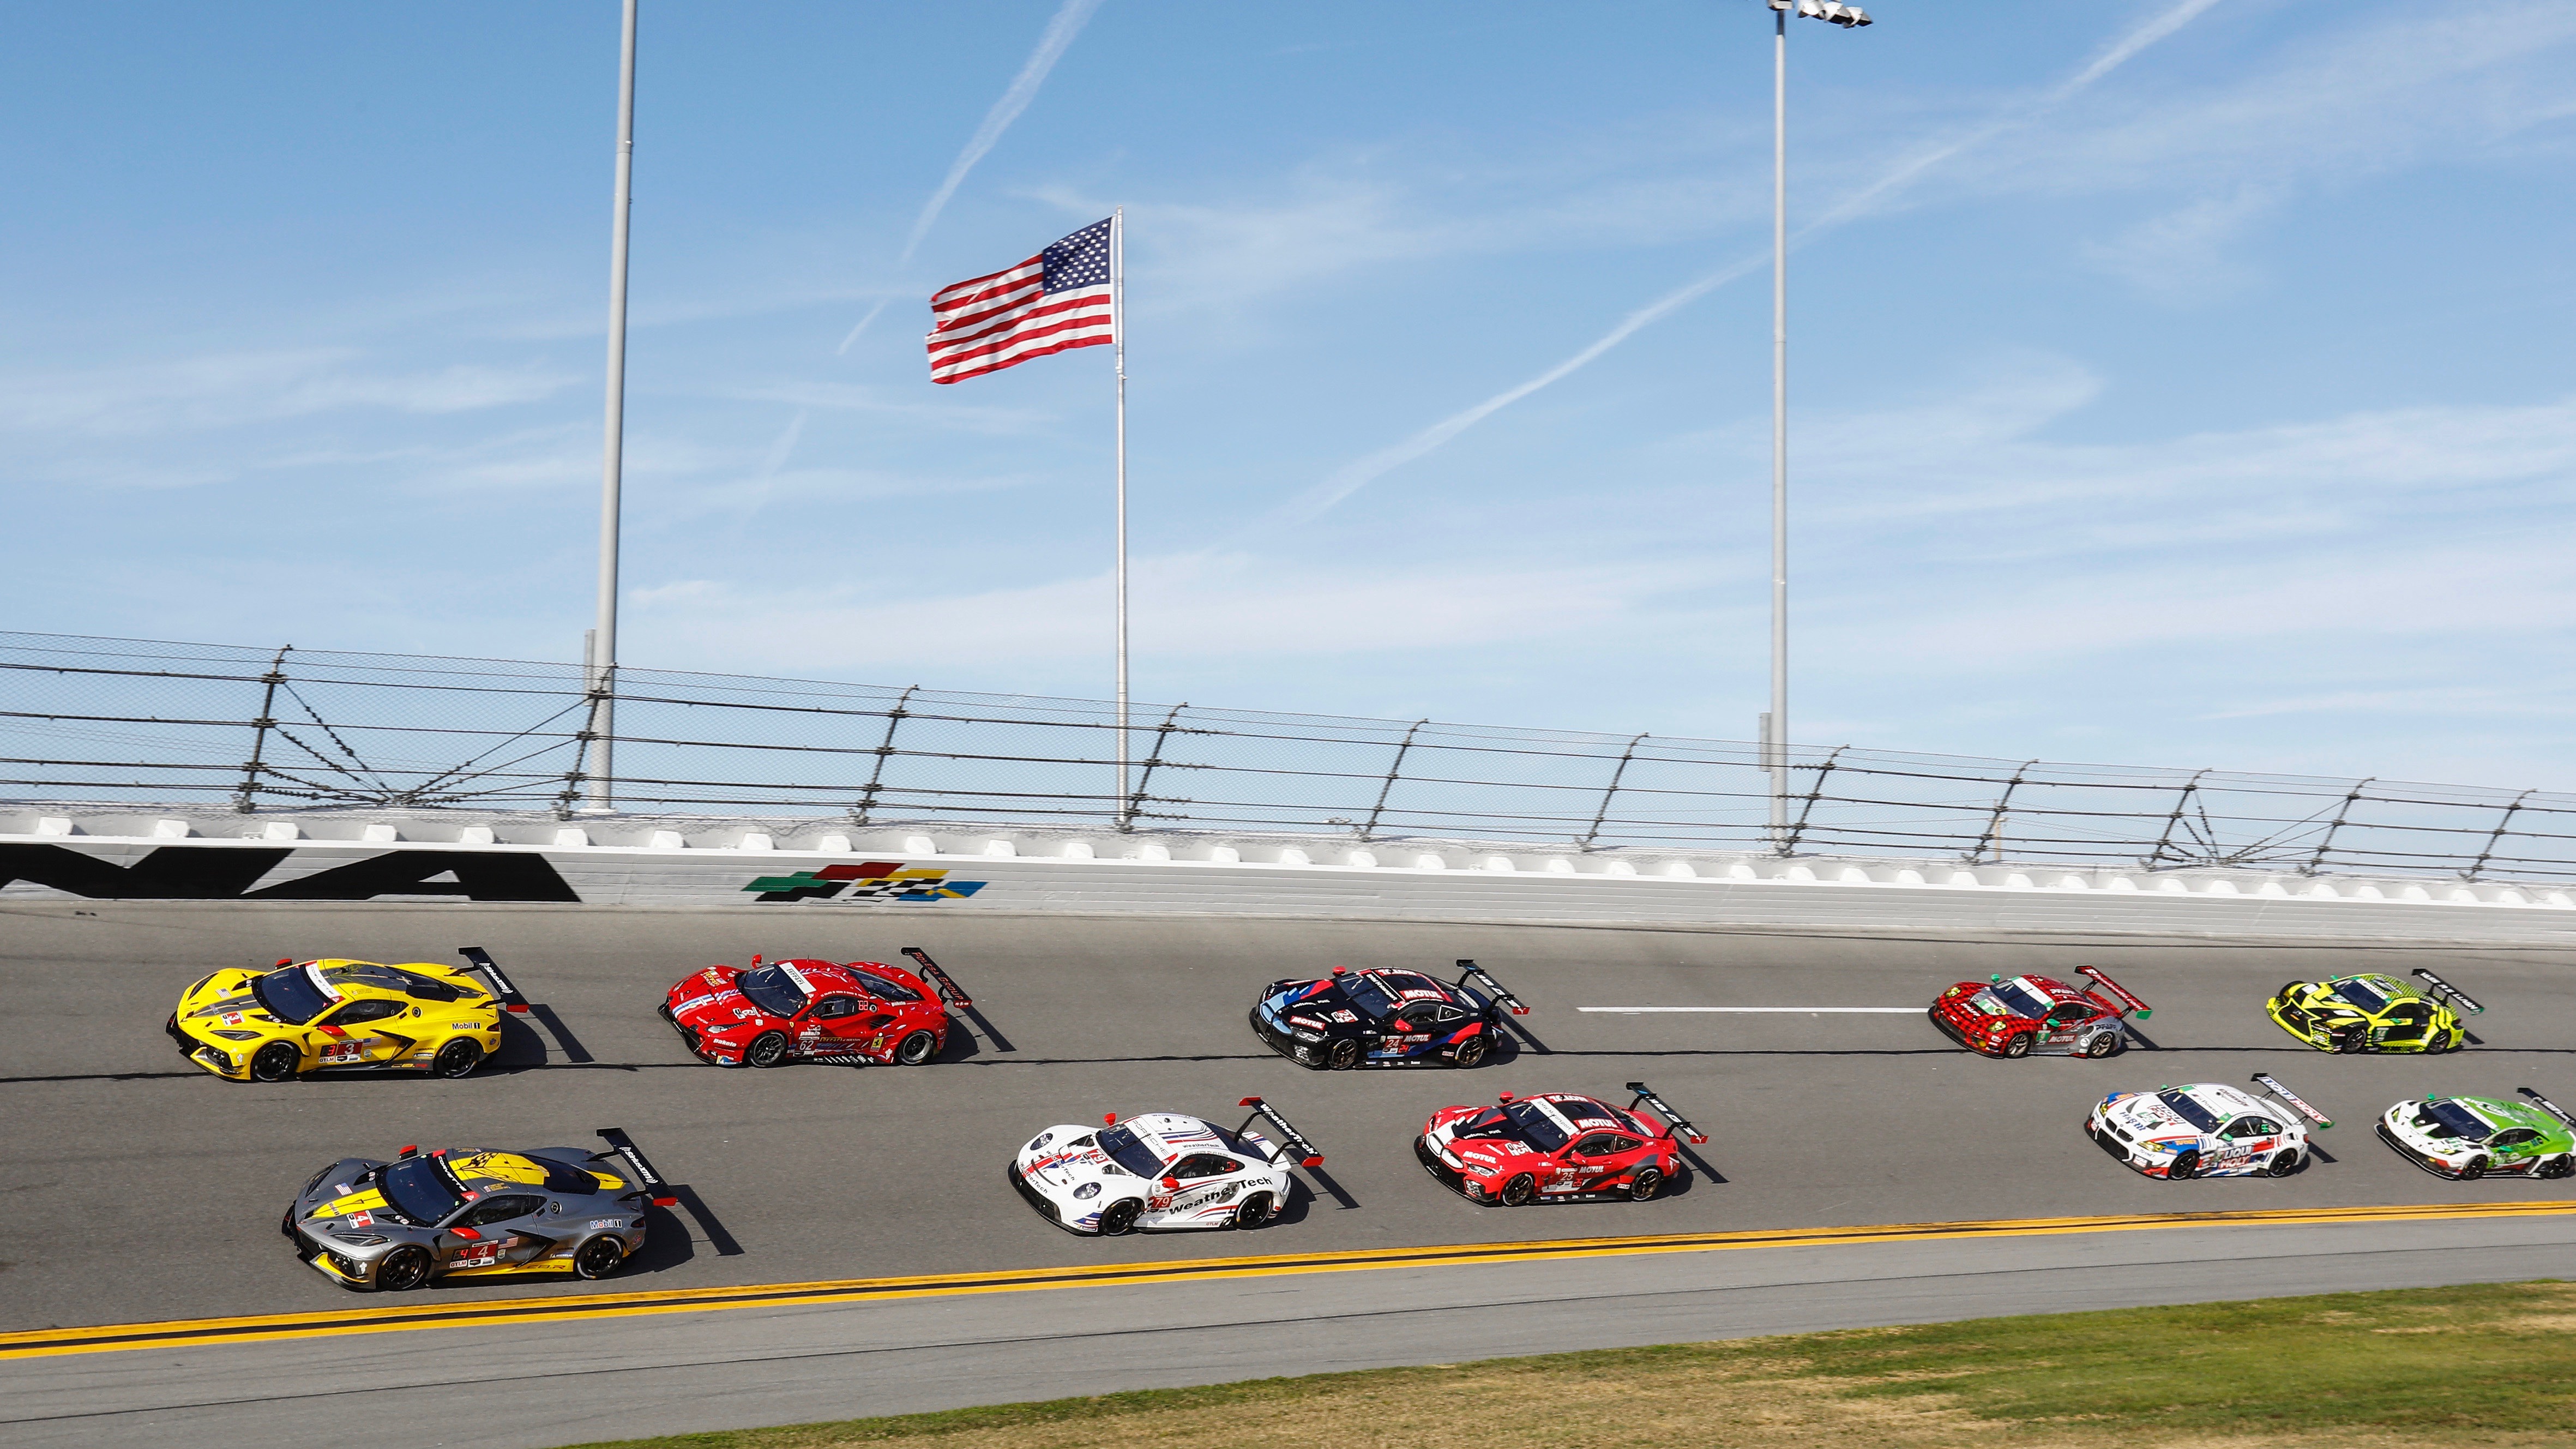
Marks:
<point>116,721</point>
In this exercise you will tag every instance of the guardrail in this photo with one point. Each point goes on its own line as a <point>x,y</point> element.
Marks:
<point>113,721</point>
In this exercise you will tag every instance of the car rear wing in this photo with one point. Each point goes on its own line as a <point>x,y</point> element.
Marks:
<point>1293,1145</point>
<point>2447,994</point>
<point>2272,1084</point>
<point>1470,971</point>
<point>633,1156</point>
<point>2548,1106</point>
<point>1675,1124</point>
<point>481,960</point>
<point>2128,1001</point>
<point>949,991</point>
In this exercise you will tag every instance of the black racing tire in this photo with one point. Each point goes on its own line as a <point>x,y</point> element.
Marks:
<point>598,1257</point>
<point>1519,1192</point>
<point>2102,1045</point>
<point>2186,1165</point>
<point>1342,1055</point>
<point>915,1049</point>
<point>2351,1039</point>
<point>404,1269</point>
<point>2018,1045</point>
<point>1256,1211</point>
<point>2473,1169</point>
<point>769,1049</point>
<point>1120,1216</point>
<point>456,1059</point>
<point>2560,1166</point>
<point>1472,1050</point>
<point>2284,1162</point>
<point>1648,1182</point>
<point>275,1062</point>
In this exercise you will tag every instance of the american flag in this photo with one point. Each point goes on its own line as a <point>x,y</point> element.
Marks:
<point>1061,298</point>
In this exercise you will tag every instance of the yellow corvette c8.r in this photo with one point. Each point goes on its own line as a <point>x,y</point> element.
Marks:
<point>336,1014</point>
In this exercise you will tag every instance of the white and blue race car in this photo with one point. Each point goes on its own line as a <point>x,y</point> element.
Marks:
<point>2206,1129</point>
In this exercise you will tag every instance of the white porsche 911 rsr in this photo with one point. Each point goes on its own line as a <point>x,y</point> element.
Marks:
<point>1161,1171</point>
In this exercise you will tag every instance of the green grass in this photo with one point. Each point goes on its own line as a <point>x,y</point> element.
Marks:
<point>2493,1364</point>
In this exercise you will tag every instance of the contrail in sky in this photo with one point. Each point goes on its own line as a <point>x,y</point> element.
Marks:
<point>1069,19</point>
<point>1354,476</point>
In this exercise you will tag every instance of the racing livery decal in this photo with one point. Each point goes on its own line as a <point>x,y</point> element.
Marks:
<point>877,880</point>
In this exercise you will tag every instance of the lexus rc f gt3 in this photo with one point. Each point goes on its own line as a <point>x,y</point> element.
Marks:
<point>2471,1137</point>
<point>861,1011</point>
<point>1558,1147</point>
<point>374,1225</point>
<point>1384,1018</point>
<point>2207,1129</point>
<point>1161,1172</point>
<point>2038,1015</point>
<point>335,1014</point>
<point>2374,1013</point>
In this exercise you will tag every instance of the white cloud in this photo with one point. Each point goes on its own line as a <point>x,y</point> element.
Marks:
<point>2189,255</point>
<point>227,389</point>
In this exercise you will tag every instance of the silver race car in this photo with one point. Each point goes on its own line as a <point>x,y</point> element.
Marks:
<point>372,1225</point>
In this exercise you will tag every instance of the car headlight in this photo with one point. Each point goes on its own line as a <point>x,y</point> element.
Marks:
<point>1302,1034</point>
<point>228,1034</point>
<point>1087,1191</point>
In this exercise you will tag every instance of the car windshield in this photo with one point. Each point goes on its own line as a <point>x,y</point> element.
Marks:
<point>419,1189</point>
<point>884,989</point>
<point>2020,1000</point>
<point>771,990</point>
<point>2360,994</point>
<point>1130,1152</point>
<point>2461,1122</point>
<point>1367,995</point>
<point>291,995</point>
<point>2187,1109</point>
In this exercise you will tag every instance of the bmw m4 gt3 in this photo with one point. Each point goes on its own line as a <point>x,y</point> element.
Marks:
<point>2374,1013</point>
<point>1555,1148</point>
<point>336,1014</point>
<point>2470,1137</point>
<point>2207,1129</point>
<point>861,1011</point>
<point>370,1225</point>
<point>1384,1019</point>
<point>1162,1171</point>
<point>2036,1015</point>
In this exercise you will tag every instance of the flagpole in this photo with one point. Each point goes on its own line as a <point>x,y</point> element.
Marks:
<point>1118,330</point>
<point>602,683</point>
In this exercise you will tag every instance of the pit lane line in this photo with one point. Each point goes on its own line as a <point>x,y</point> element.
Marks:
<point>111,1338</point>
<point>1301,1320</point>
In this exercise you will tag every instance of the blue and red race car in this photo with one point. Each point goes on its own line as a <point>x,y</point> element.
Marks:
<point>1384,1018</point>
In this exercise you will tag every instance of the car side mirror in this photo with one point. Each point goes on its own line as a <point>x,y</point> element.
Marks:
<point>1171,1184</point>
<point>468,1234</point>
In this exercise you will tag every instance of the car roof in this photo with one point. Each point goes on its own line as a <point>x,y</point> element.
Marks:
<point>2388,986</point>
<point>2052,988</point>
<point>831,976</point>
<point>2500,1113</point>
<point>2227,1097</point>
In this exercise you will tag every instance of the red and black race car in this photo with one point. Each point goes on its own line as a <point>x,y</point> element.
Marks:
<point>2027,1014</point>
<point>1555,1148</point>
<point>1384,1018</point>
<point>859,1011</point>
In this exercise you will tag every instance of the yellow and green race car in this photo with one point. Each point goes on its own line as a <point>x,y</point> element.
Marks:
<point>2374,1013</point>
<point>337,1014</point>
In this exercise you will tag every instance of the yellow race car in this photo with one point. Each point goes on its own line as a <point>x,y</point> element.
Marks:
<point>335,1014</point>
<point>2371,1012</point>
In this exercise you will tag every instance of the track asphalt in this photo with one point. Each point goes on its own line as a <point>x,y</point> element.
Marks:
<point>138,1189</point>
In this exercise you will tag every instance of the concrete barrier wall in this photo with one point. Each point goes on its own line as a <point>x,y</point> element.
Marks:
<point>820,866</point>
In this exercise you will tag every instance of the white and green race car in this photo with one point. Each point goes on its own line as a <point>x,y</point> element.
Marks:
<point>2467,1138</point>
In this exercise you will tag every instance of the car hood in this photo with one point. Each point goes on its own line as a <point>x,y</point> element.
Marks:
<point>2145,1116</point>
<point>225,999</point>
<point>1063,1158</point>
<point>707,1003</point>
<point>1479,1154</point>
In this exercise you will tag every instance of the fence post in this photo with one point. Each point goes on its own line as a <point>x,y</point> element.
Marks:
<point>1790,845</point>
<point>1162,732</point>
<point>2496,836</point>
<point>885,747</point>
<point>1603,813</point>
<point>2327,843</point>
<point>1994,835</point>
<point>2180,805</point>
<point>276,675</point>
<point>1392,771</point>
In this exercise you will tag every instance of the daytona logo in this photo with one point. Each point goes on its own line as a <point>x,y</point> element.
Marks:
<point>878,880</point>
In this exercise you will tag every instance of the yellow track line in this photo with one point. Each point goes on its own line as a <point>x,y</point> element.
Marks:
<point>110,1338</point>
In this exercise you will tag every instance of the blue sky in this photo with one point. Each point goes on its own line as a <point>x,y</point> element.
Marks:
<point>2172,383</point>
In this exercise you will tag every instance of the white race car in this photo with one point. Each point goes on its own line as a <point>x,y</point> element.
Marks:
<point>2206,1129</point>
<point>1161,1171</point>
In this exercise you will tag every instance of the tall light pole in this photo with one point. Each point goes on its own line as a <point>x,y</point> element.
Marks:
<point>602,661</point>
<point>1775,725</point>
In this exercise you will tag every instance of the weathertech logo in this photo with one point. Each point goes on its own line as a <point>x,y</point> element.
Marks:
<point>877,880</point>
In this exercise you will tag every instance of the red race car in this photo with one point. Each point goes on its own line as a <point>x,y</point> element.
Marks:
<point>861,1011</point>
<point>2027,1014</point>
<point>1555,1148</point>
